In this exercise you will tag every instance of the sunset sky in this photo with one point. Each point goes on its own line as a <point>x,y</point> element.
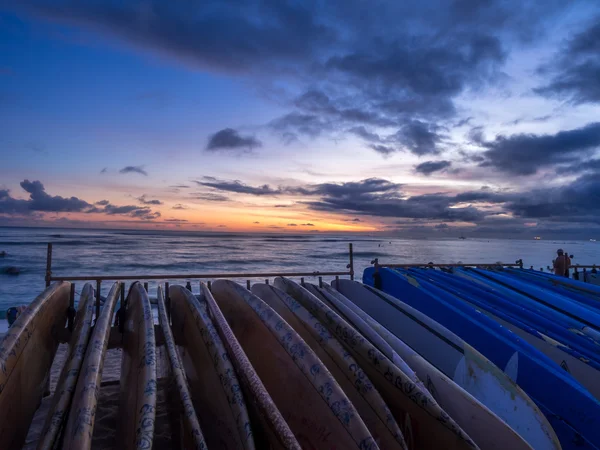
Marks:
<point>428,118</point>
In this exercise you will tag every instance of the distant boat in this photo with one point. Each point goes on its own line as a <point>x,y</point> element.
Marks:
<point>537,238</point>
<point>592,240</point>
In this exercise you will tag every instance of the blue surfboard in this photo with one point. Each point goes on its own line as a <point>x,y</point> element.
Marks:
<point>532,314</point>
<point>571,410</point>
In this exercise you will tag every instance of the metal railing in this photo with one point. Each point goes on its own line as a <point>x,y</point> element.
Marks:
<point>518,263</point>
<point>49,278</point>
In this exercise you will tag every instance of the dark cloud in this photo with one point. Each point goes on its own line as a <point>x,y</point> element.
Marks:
<point>104,170</point>
<point>431,207</point>
<point>294,124</point>
<point>292,225</point>
<point>255,222</point>
<point>590,165</point>
<point>210,197</point>
<point>353,220</point>
<point>577,202</point>
<point>307,225</point>
<point>352,65</point>
<point>40,201</point>
<point>525,154</point>
<point>358,189</point>
<point>137,212</point>
<point>238,187</point>
<point>134,169</point>
<point>429,167</point>
<point>317,102</point>
<point>146,201</point>
<point>575,70</point>
<point>229,139</point>
<point>419,137</point>
<point>176,220</point>
<point>463,122</point>
<point>367,135</point>
<point>442,226</point>
<point>283,206</point>
<point>180,186</point>
<point>539,119</point>
<point>179,206</point>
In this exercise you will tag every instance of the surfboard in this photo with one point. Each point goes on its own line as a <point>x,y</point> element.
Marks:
<point>584,313</point>
<point>570,409</point>
<point>371,336</point>
<point>214,387</point>
<point>137,397</point>
<point>425,424</point>
<point>313,404</point>
<point>345,369</point>
<point>486,428</point>
<point>82,415</point>
<point>456,359</point>
<point>576,290</point>
<point>276,433</point>
<point>26,354</point>
<point>567,330</point>
<point>527,327</point>
<point>192,433</point>
<point>65,388</point>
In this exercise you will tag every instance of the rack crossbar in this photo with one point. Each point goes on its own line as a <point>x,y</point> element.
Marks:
<point>194,276</point>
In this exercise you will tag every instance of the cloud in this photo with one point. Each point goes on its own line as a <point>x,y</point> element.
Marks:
<point>134,169</point>
<point>365,134</point>
<point>575,69</point>
<point>230,139</point>
<point>589,165</point>
<point>176,220</point>
<point>291,125</point>
<point>255,222</point>
<point>429,167</point>
<point>577,202</point>
<point>525,154</point>
<point>307,225</point>
<point>238,187</point>
<point>179,206</point>
<point>180,186</point>
<point>292,225</point>
<point>420,138</point>
<point>346,68</point>
<point>210,197</point>
<point>283,206</point>
<point>442,226</point>
<point>104,170</point>
<point>352,220</point>
<point>145,201</point>
<point>41,202</point>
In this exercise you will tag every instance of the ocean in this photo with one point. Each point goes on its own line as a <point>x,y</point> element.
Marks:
<point>105,252</point>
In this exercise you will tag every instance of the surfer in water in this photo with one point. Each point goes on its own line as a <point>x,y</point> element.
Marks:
<point>560,263</point>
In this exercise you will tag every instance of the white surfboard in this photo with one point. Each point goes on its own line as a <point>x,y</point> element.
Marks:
<point>457,360</point>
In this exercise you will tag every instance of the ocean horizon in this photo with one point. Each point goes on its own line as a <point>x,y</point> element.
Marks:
<point>94,252</point>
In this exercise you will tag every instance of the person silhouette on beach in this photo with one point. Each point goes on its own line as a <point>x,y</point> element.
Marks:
<point>567,264</point>
<point>560,263</point>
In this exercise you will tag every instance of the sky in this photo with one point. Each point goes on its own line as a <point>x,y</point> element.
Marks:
<point>429,118</point>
